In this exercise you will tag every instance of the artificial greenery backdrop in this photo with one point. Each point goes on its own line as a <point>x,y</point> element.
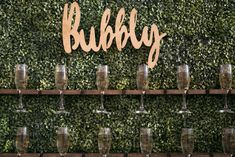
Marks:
<point>199,33</point>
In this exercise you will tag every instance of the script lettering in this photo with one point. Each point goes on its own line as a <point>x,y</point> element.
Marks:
<point>107,35</point>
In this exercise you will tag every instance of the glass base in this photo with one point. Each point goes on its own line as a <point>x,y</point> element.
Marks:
<point>184,111</point>
<point>226,110</point>
<point>188,155</point>
<point>141,112</point>
<point>101,111</point>
<point>19,154</point>
<point>22,110</point>
<point>62,154</point>
<point>62,112</point>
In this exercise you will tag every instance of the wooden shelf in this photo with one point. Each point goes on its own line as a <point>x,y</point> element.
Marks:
<point>116,92</point>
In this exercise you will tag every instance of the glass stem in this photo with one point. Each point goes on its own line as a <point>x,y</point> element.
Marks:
<point>226,101</point>
<point>142,101</point>
<point>102,100</point>
<point>20,100</point>
<point>184,106</point>
<point>185,121</point>
<point>61,100</point>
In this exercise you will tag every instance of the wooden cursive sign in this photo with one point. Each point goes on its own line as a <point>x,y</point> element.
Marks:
<point>121,34</point>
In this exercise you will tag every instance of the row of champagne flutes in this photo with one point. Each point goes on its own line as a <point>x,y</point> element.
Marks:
<point>225,79</point>
<point>104,141</point>
<point>146,141</point>
<point>102,83</point>
<point>61,82</point>
<point>21,81</point>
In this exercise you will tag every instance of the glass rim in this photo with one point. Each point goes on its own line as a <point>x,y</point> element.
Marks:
<point>143,67</point>
<point>103,68</point>
<point>226,67</point>
<point>21,65</point>
<point>105,130</point>
<point>183,68</point>
<point>60,68</point>
<point>22,130</point>
<point>145,130</point>
<point>187,128</point>
<point>62,130</point>
<point>228,64</point>
<point>228,128</point>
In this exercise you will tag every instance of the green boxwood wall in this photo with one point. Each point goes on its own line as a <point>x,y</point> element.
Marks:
<point>200,33</point>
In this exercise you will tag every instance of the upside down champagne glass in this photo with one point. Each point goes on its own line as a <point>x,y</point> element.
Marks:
<point>187,141</point>
<point>104,141</point>
<point>21,81</point>
<point>142,84</point>
<point>146,141</point>
<point>228,141</point>
<point>61,82</point>
<point>102,83</point>
<point>62,140</point>
<point>183,81</point>
<point>226,78</point>
<point>22,140</point>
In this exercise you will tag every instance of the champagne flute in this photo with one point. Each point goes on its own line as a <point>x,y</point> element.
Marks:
<point>21,81</point>
<point>22,140</point>
<point>61,82</point>
<point>62,140</point>
<point>183,81</point>
<point>187,141</point>
<point>142,84</point>
<point>228,141</point>
<point>146,141</point>
<point>226,78</point>
<point>102,83</point>
<point>104,141</point>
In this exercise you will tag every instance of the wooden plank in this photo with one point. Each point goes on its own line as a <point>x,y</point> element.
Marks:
<point>217,91</point>
<point>194,155</point>
<point>155,92</point>
<point>177,155</point>
<point>98,155</point>
<point>115,92</point>
<point>132,92</point>
<point>197,91</point>
<point>174,91</point>
<point>158,155</point>
<point>221,155</point>
<point>23,155</point>
<point>24,91</point>
<point>57,92</point>
<point>57,155</point>
<point>201,155</point>
<point>135,155</point>
<point>233,91</point>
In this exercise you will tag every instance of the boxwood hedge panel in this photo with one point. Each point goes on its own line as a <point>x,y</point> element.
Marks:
<point>200,33</point>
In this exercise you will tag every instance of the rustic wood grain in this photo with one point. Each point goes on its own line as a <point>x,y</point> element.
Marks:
<point>152,155</point>
<point>98,155</point>
<point>220,155</point>
<point>23,155</point>
<point>116,92</point>
<point>194,155</point>
<point>57,155</point>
